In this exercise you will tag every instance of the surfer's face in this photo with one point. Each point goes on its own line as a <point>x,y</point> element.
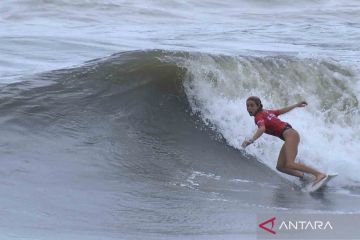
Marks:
<point>252,108</point>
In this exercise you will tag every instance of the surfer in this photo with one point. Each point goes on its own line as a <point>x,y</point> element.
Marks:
<point>268,122</point>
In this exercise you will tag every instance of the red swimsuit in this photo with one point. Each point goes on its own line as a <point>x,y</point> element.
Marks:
<point>273,125</point>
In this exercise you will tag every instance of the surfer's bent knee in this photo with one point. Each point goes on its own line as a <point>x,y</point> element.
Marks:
<point>290,165</point>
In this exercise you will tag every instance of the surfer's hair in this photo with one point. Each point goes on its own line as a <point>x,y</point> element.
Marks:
<point>257,101</point>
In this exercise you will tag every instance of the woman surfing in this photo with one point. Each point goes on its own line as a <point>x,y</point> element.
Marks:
<point>268,122</point>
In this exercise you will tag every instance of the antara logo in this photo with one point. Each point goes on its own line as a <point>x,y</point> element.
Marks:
<point>269,225</point>
<point>263,225</point>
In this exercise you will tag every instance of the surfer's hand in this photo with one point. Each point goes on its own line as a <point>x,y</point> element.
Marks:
<point>302,104</point>
<point>246,143</point>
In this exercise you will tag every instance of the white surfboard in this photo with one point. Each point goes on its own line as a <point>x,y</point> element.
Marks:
<point>310,187</point>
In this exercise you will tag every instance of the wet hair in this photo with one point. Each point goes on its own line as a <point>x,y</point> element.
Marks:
<point>257,101</point>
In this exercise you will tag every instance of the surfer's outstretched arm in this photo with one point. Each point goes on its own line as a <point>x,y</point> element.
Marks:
<point>289,108</point>
<point>257,134</point>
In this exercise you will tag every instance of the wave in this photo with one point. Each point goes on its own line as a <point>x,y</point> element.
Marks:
<point>146,107</point>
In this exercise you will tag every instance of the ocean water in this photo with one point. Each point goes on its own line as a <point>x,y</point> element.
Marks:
<point>124,119</point>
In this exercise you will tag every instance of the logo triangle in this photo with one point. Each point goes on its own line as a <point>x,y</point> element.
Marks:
<point>263,225</point>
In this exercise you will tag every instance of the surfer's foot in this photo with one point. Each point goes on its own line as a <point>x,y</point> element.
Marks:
<point>319,177</point>
<point>306,178</point>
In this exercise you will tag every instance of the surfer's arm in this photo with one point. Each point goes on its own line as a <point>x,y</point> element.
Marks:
<point>257,135</point>
<point>289,108</point>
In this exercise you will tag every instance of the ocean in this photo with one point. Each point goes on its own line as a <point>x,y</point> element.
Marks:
<point>124,119</point>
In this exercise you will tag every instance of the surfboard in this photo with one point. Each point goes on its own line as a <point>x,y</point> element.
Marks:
<point>310,187</point>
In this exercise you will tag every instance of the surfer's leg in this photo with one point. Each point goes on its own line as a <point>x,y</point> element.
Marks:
<point>292,140</point>
<point>281,165</point>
